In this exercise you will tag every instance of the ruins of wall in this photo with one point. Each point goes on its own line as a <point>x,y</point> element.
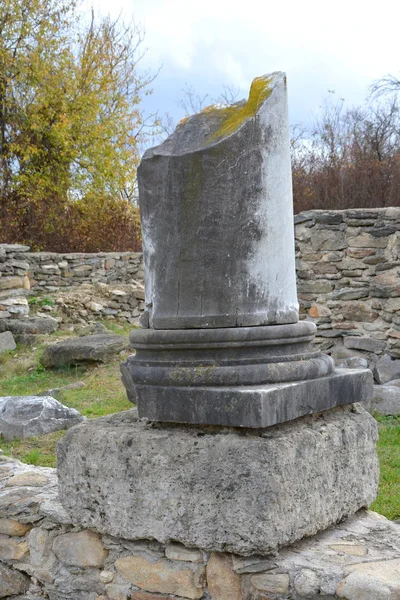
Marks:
<point>348,265</point>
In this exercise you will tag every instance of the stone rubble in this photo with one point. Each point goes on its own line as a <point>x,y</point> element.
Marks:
<point>29,416</point>
<point>43,555</point>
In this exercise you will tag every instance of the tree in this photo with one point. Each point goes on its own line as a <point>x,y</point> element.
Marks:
<point>70,117</point>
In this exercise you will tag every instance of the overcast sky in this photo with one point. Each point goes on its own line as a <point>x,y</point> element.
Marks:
<point>341,46</point>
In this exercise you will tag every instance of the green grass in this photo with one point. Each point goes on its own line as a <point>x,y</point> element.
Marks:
<point>21,374</point>
<point>388,501</point>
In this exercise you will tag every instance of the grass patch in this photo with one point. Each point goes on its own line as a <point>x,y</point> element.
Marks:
<point>388,501</point>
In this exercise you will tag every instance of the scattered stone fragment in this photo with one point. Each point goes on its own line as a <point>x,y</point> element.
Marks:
<point>87,349</point>
<point>29,416</point>
<point>7,342</point>
<point>371,581</point>
<point>386,369</point>
<point>386,399</point>
<point>34,325</point>
<point>353,362</point>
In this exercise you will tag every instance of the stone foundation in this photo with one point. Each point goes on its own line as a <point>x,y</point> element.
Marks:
<point>242,491</point>
<point>44,555</point>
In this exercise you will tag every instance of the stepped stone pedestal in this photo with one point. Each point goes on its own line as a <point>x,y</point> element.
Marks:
<point>247,438</point>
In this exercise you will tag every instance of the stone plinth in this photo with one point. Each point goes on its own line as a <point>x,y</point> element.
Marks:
<point>246,491</point>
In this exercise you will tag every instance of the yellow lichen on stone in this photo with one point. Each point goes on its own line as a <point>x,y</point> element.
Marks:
<point>234,116</point>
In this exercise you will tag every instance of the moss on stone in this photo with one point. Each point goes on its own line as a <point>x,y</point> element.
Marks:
<point>234,116</point>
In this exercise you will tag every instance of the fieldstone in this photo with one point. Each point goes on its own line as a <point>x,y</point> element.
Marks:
<point>10,549</point>
<point>306,583</point>
<point>325,239</point>
<point>386,399</point>
<point>81,549</point>
<point>176,551</point>
<point>13,528</point>
<point>350,294</point>
<point>30,325</point>
<point>15,306</point>
<point>349,548</point>
<point>364,343</point>
<point>29,478</point>
<point>386,369</point>
<point>371,581</point>
<point>91,348</point>
<point>12,582</point>
<point>270,582</point>
<point>222,581</point>
<point>162,576</point>
<point>333,451</point>
<point>29,416</point>
<point>8,283</point>
<point>317,311</point>
<point>41,555</point>
<point>117,592</point>
<point>366,240</point>
<point>353,362</point>
<point>7,341</point>
<point>358,311</point>
<point>106,576</point>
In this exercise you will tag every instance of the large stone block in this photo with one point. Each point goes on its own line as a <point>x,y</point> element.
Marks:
<point>244,491</point>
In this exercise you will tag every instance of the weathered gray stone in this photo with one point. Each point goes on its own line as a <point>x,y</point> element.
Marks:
<point>364,343</point>
<point>33,325</point>
<point>216,199</point>
<point>7,342</point>
<point>90,348</point>
<point>12,582</point>
<point>108,468</point>
<point>82,549</point>
<point>386,369</point>
<point>254,406</point>
<point>29,416</point>
<point>386,399</point>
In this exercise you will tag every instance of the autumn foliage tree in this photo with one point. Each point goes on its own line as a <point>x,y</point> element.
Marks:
<point>70,127</point>
<point>349,157</point>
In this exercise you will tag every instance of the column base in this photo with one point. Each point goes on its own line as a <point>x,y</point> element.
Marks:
<point>242,491</point>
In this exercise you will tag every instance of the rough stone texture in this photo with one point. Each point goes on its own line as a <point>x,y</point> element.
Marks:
<point>387,369</point>
<point>223,583</point>
<point>7,341</point>
<point>162,576</point>
<point>358,558</point>
<point>33,325</point>
<point>109,466</point>
<point>82,549</point>
<point>29,416</point>
<point>12,582</point>
<point>386,400</point>
<point>364,265</point>
<point>216,213</point>
<point>90,348</point>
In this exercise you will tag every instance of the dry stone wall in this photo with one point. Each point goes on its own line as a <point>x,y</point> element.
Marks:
<point>348,270</point>
<point>49,271</point>
<point>43,554</point>
<point>348,278</point>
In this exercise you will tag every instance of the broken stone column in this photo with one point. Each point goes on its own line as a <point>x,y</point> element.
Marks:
<point>247,438</point>
<point>223,344</point>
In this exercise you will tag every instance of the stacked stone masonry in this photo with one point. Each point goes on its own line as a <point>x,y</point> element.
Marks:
<point>44,555</point>
<point>348,267</point>
<point>348,278</point>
